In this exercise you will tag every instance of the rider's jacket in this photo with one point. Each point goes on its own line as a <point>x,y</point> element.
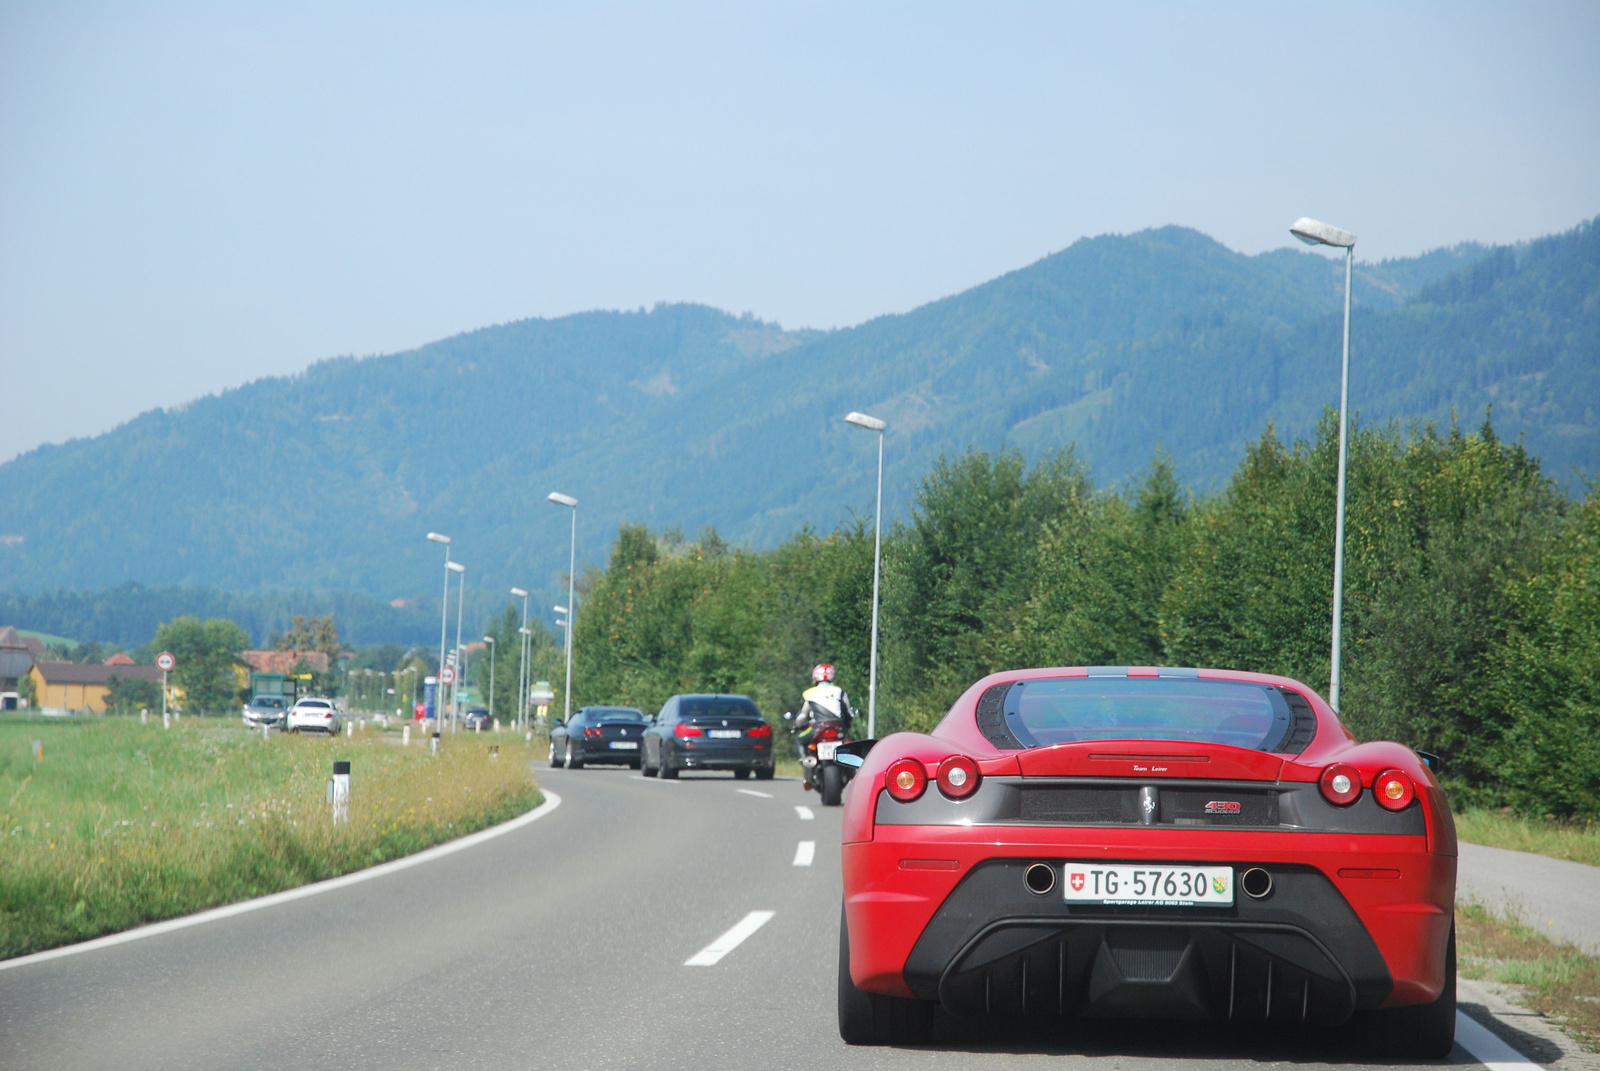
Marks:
<point>823,701</point>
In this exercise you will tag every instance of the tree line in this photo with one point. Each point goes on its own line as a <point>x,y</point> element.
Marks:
<point>1472,597</point>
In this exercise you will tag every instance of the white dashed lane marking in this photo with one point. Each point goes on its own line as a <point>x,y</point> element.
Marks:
<point>753,792</point>
<point>1487,1048</point>
<point>804,813</point>
<point>804,852</point>
<point>710,954</point>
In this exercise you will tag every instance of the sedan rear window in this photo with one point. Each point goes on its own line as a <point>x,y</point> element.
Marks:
<point>1061,710</point>
<point>604,714</point>
<point>716,707</point>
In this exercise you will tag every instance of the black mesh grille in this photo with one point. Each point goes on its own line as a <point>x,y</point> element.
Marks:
<point>1219,807</point>
<point>992,717</point>
<point>1146,955</point>
<point>1305,723</point>
<point>1110,803</point>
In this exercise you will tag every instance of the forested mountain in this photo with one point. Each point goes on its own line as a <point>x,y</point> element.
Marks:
<point>684,416</point>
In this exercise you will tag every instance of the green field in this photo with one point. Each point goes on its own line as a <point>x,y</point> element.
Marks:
<point>122,824</point>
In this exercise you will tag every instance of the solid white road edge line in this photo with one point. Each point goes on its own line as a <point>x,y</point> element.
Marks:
<point>729,941</point>
<point>804,852</point>
<point>753,792</point>
<point>1486,1047</point>
<point>428,855</point>
<point>804,812</point>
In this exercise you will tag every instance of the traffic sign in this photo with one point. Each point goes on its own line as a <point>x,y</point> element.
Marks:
<point>165,661</point>
<point>447,675</point>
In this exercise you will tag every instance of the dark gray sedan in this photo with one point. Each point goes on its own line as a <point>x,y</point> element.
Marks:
<point>708,732</point>
<point>597,734</point>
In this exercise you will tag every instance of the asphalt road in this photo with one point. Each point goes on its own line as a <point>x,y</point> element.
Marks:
<point>1555,896</point>
<point>563,943</point>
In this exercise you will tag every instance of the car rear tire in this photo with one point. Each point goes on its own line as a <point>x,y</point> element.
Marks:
<point>872,1018</point>
<point>644,763</point>
<point>741,774</point>
<point>1426,1031</point>
<point>573,762</point>
<point>764,773</point>
<point>555,763</point>
<point>669,772</point>
<point>832,785</point>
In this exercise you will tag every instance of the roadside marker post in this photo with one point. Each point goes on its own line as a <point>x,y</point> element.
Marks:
<point>38,751</point>
<point>405,736</point>
<point>339,791</point>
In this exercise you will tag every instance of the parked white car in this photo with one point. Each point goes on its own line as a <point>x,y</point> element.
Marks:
<point>316,715</point>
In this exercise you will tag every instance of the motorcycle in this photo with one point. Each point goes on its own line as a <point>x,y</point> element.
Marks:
<point>818,735</point>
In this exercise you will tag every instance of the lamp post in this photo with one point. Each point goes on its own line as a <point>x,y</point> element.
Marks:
<point>522,658</point>
<point>1312,232</point>
<point>567,500</point>
<point>490,641</point>
<point>444,620</point>
<point>862,420</point>
<point>461,595</point>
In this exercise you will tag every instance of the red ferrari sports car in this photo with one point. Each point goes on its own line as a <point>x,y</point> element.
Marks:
<point>1147,842</point>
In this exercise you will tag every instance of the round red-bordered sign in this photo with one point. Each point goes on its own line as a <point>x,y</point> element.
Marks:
<point>165,661</point>
<point>447,675</point>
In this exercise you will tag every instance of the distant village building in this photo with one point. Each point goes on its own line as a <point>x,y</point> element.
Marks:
<point>76,688</point>
<point>16,660</point>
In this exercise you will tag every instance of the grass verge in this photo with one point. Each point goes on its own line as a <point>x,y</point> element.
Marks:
<point>1576,839</point>
<point>123,824</point>
<point>1554,979</point>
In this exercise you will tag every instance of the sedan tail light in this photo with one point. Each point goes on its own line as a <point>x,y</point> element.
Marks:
<point>1394,790</point>
<point>1340,784</point>
<point>682,730</point>
<point>763,730</point>
<point>958,777</point>
<point>905,779</point>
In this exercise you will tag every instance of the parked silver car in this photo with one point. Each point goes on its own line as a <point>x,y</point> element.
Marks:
<point>269,710</point>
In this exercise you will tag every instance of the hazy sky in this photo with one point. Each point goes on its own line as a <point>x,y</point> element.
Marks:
<point>196,195</point>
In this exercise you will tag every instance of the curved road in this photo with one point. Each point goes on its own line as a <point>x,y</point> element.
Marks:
<point>563,943</point>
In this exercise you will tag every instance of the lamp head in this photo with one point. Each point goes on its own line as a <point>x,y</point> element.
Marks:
<point>519,593</point>
<point>437,538</point>
<point>488,639</point>
<point>862,420</point>
<point>561,500</point>
<point>559,609</point>
<point>1315,232</point>
<point>457,567</point>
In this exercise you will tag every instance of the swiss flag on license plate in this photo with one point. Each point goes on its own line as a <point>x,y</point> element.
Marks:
<point>1077,883</point>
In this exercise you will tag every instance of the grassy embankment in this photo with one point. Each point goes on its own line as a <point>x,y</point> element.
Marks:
<point>124,824</point>
<point>1554,979</point>
<point>1577,840</point>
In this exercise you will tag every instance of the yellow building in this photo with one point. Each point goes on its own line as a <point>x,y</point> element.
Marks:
<point>76,688</point>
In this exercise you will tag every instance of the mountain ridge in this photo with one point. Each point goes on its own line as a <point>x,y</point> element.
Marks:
<point>686,416</point>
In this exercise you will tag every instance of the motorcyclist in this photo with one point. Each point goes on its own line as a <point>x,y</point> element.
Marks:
<point>823,701</point>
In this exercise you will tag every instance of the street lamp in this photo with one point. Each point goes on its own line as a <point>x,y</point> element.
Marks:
<point>522,658</point>
<point>1312,232</point>
<point>567,500</point>
<point>461,597</point>
<point>862,420</point>
<point>490,641</point>
<point>444,619</point>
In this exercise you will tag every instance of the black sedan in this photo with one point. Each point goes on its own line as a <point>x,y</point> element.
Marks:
<point>708,732</point>
<point>477,719</point>
<point>597,734</point>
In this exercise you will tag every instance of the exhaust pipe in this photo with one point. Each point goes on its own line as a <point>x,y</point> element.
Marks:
<point>1040,878</point>
<point>1256,883</point>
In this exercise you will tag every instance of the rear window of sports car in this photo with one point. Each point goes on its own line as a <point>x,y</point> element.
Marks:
<point>1063,710</point>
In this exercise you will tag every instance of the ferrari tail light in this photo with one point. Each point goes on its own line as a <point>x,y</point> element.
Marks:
<point>592,731</point>
<point>1340,784</point>
<point>762,731</point>
<point>905,779</point>
<point>683,730</point>
<point>1394,790</point>
<point>958,777</point>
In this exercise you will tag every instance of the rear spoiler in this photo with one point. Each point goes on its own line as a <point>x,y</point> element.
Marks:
<point>853,753</point>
